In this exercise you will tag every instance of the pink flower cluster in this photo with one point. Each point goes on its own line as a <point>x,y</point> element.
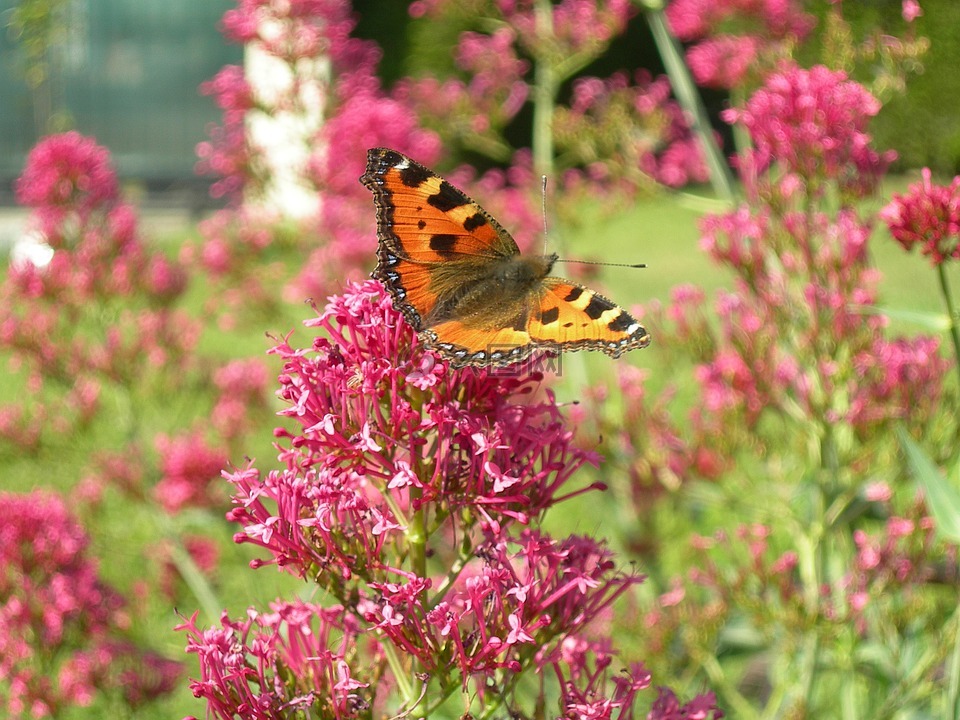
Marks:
<point>793,354</point>
<point>472,112</point>
<point>61,644</point>
<point>577,26</point>
<point>242,388</point>
<point>228,154</point>
<point>358,116</point>
<point>248,664</point>
<point>364,117</point>
<point>927,216</point>
<point>189,470</point>
<point>374,407</point>
<point>729,571</point>
<point>294,31</point>
<point>905,553</point>
<point>735,38</point>
<point>395,456</point>
<point>99,312</point>
<point>515,602</point>
<point>594,133</point>
<point>815,286</point>
<point>813,125</point>
<point>65,175</point>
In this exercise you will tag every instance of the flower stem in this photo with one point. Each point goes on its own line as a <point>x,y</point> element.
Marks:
<point>953,669</point>
<point>689,98</point>
<point>544,92</point>
<point>952,311</point>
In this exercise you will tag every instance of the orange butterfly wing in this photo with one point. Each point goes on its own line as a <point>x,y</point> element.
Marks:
<point>459,278</point>
<point>432,236</point>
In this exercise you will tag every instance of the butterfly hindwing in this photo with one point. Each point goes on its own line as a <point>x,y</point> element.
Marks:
<point>459,278</point>
<point>574,317</point>
<point>562,316</point>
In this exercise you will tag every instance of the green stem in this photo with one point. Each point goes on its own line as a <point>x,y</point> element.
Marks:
<point>689,98</point>
<point>953,670</point>
<point>952,311</point>
<point>417,538</point>
<point>544,91</point>
<point>191,574</point>
<point>404,685</point>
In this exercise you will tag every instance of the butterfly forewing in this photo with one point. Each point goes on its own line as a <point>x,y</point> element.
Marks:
<point>425,218</point>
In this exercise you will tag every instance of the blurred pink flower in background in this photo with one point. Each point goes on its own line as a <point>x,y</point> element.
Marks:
<point>61,627</point>
<point>927,216</point>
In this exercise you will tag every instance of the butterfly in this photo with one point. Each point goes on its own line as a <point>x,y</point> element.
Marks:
<point>459,278</point>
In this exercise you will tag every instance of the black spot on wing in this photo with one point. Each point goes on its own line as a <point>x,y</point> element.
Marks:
<point>421,224</point>
<point>550,316</point>
<point>597,307</point>
<point>447,198</point>
<point>388,158</point>
<point>474,221</point>
<point>621,322</point>
<point>574,293</point>
<point>443,243</point>
<point>413,175</point>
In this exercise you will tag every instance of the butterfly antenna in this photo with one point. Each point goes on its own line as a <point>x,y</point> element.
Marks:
<point>543,207</point>
<point>608,264</point>
<point>543,195</point>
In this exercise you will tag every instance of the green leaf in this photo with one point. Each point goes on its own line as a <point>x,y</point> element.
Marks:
<point>941,497</point>
<point>938,322</point>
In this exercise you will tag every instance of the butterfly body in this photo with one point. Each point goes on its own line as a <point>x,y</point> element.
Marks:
<point>460,280</point>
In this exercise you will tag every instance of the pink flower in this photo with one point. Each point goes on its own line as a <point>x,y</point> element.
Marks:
<point>813,122</point>
<point>66,173</point>
<point>59,620</point>
<point>911,10</point>
<point>928,216</point>
<point>247,663</point>
<point>695,19</point>
<point>98,314</point>
<point>723,60</point>
<point>353,438</point>
<point>668,707</point>
<point>190,470</point>
<point>242,387</point>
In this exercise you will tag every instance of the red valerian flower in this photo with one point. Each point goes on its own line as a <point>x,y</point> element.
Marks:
<point>401,486</point>
<point>190,470</point>
<point>247,665</point>
<point>814,123</point>
<point>382,434</point>
<point>928,217</point>
<point>66,173</point>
